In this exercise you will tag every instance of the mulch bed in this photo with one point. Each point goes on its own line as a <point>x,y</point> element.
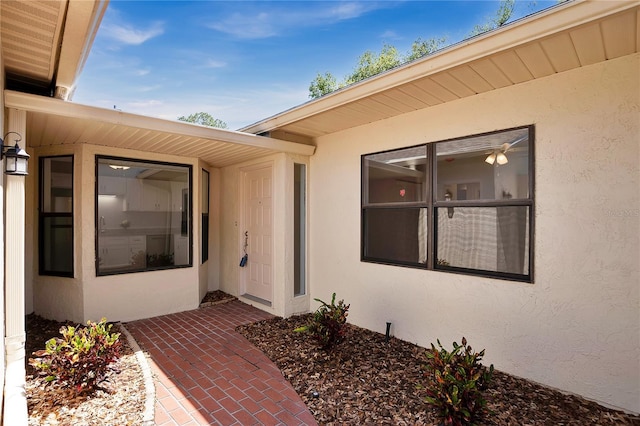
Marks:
<point>365,380</point>
<point>119,401</point>
<point>216,297</point>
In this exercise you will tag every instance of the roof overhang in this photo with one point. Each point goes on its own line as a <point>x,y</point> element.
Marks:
<point>568,36</point>
<point>55,122</point>
<point>45,43</point>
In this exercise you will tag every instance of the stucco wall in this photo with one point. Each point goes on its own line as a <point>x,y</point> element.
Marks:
<point>2,314</point>
<point>122,297</point>
<point>577,327</point>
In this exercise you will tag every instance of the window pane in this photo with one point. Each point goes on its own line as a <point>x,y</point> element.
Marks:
<point>395,176</point>
<point>485,238</point>
<point>143,217</point>
<point>56,194</point>
<point>299,229</point>
<point>56,216</point>
<point>205,216</point>
<point>396,235</point>
<point>205,191</point>
<point>56,254</point>
<point>487,167</point>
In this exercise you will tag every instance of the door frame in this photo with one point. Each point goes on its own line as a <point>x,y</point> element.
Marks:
<point>242,276</point>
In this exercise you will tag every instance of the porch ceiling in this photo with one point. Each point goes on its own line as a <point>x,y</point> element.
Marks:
<point>56,122</point>
<point>569,36</point>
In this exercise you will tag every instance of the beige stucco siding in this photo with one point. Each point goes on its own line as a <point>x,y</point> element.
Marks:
<point>577,327</point>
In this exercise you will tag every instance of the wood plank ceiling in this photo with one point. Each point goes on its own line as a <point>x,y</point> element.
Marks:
<point>47,129</point>
<point>608,38</point>
<point>31,38</point>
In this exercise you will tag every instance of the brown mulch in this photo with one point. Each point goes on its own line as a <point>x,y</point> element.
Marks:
<point>216,297</point>
<point>365,380</point>
<point>120,401</point>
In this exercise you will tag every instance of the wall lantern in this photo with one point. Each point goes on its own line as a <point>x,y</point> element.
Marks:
<point>16,158</point>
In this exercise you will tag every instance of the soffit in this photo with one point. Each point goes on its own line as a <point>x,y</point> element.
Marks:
<point>568,37</point>
<point>31,34</point>
<point>45,43</point>
<point>52,122</point>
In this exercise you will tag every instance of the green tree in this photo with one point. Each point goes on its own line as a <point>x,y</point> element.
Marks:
<point>370,63</point>
<point>501,17</point>
<point>204,119</point>
<point>421,48</point>
<point>322,84</point>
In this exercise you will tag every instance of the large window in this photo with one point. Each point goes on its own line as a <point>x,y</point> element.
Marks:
<point>143,215</point>
<point>56,216</point>
<point>462,205</point>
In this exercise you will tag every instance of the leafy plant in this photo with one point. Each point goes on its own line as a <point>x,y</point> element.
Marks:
<point>81,358</point>
<point>327,323</point>
<point>455,381</point>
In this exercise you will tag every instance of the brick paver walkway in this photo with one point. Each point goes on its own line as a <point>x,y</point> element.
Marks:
<point>206,373</point>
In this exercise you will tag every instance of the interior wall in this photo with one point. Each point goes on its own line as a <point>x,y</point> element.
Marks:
<point>576,328</point>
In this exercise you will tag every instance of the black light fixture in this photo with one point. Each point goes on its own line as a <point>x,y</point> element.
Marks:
<point>16,158</point>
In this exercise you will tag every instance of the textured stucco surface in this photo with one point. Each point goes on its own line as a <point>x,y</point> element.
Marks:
<point>577,328</point>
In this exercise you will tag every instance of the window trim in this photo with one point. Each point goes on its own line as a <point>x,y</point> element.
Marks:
<point>42,215</point>
<point>96,216</point>
<point>432,205</point>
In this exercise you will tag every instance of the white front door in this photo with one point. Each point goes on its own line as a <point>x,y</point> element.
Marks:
<point>256,276</point>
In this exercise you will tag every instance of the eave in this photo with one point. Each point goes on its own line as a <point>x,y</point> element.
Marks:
<point>55,122</point>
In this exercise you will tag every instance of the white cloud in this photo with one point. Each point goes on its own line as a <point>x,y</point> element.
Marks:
<point>390,35</point>
<point>348,10</point>
<point>212,63</point>
<point>274,19</point>
<point>115,27</point>
<point>247,27</point>
<point>141,72</point>
<point>140,106</point>
<point>143,89</point>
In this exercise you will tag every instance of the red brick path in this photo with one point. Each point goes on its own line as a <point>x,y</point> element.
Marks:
<point>205,373</point>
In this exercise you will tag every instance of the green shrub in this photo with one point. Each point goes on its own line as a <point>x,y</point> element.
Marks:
<point>327,323</point>
<point>455,381</point>
<point>81,358</point>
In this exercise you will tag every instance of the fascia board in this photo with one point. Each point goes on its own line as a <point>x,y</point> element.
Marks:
<point>81,24</point>
<point>57,107</point>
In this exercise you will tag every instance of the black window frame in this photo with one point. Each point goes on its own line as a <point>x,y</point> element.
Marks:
<point>189,216</point>
<point>432,205</point>
<point>43,216</point>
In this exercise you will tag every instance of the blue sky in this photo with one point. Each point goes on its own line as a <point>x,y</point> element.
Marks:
<point>243,61</point>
